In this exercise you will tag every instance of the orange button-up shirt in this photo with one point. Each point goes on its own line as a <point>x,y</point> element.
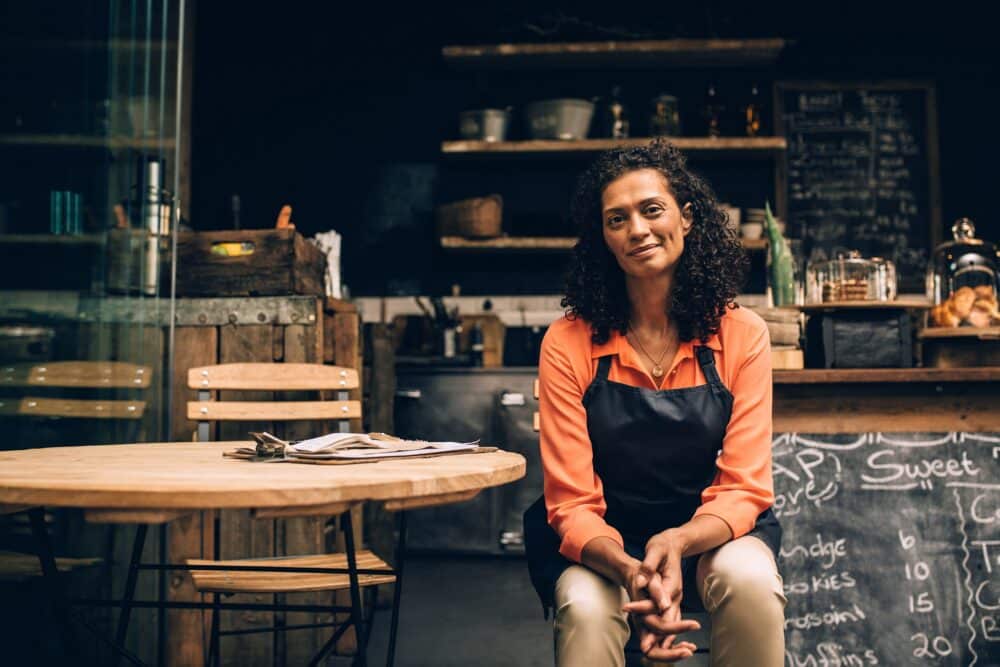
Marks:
<point>574,496</point>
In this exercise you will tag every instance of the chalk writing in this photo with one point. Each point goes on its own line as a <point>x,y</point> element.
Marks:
<point>862,150</point>
<point>831,654</point>
<point>891,548</point>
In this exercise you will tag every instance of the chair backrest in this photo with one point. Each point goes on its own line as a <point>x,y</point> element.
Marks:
<point>77,375</point>
<point>272,377</point>
<point>536,421</point>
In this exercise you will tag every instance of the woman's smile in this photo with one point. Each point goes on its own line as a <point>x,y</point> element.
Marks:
<point>645,250</point>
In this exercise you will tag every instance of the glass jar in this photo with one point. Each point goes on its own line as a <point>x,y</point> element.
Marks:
<point>963,262</point>
<point>851,277</point>
<point>665,119</point>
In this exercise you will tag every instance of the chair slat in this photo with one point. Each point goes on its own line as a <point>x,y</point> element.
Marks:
<point>430,501</point>
<point>67,407</point>
<point>87,374</point>
<point>277,411</point>
<point>237,581</point>
<point>272,377</point>
<point>147,516</point>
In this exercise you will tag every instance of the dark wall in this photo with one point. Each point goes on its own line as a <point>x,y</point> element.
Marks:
<point>341,115</point>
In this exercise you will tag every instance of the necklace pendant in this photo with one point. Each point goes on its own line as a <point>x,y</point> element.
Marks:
<point>657,371</point>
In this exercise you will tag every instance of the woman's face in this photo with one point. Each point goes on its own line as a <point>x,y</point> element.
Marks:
<point>644,227</point>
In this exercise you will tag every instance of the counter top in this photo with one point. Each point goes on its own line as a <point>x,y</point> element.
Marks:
<point>869,375</point>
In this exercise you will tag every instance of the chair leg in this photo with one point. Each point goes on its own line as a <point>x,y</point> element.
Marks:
<point>397,593</point>
<point>133,575</point>
<point>213,634</point>
<point>51,577</point>
<point>357,610</point>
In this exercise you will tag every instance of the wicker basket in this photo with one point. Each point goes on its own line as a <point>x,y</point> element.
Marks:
<point>480,217</point>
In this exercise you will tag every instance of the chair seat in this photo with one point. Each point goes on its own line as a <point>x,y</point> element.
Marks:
<point>17,566</point>
<point>245,581</point>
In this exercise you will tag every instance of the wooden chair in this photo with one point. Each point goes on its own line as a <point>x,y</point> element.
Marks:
<point>324,572</point>
<point>99,375</point>
<point>75,374</point>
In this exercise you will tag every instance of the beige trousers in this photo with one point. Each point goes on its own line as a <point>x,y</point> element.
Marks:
<point>739,585</point>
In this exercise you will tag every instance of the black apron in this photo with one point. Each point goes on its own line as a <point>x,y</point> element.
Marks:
<point>655,452</point>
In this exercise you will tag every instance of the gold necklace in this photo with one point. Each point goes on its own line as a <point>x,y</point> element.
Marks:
<point>657,368</point>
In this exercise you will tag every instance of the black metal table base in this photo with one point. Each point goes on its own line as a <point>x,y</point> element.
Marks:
<point>356,615</point>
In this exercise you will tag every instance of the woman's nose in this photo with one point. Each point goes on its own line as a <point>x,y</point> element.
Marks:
<point>638,227</point>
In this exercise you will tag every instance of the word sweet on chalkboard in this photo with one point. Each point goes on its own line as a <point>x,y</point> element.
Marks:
<point>862,171</point>
<point>891,548</point>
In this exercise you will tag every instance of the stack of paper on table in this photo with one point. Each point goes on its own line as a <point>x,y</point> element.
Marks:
<point>348,447</point>
<point>363,446</point>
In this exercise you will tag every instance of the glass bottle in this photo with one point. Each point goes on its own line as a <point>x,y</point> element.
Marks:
<point>713,112</point>
<point>614,116</point>
<point>752,113</point>
<point>664,120</point>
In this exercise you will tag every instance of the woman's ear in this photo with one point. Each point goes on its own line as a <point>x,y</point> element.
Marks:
<point>687,218</point>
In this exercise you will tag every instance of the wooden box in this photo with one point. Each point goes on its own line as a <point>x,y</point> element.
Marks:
<point>960,347</point>
<point>258,262</point>
<point>859,338</point>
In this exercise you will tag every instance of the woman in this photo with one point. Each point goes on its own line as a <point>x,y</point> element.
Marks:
<point>655,408</point>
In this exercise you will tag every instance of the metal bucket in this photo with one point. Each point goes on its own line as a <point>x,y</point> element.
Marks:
<point>484,124</point>
<point>567,119</point>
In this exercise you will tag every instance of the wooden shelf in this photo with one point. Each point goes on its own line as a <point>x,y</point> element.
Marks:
<point>982,333</point>
<point>116,44</point>
<point>84,141</point>
<point>535,243</point>
<point>902,302</point>
<point>51,239</point>
<point>509,243</point>
<point>869,375</point>
<point>747,147</point>
<point>618,54</point>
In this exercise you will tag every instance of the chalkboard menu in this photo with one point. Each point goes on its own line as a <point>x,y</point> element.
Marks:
<point>862,171</point>
<point>891,548</point>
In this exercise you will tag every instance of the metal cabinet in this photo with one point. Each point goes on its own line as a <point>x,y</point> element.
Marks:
<point>496,406</point>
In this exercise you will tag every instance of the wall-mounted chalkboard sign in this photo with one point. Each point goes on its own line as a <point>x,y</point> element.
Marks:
<point>862,171</point>
<point>891,548</point>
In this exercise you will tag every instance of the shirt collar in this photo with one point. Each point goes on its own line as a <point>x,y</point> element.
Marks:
<point>616,343</point>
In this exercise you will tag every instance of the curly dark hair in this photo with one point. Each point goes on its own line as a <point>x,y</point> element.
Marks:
<point>711,270</point>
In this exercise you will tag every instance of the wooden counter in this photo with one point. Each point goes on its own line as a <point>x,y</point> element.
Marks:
<point>887,400</point>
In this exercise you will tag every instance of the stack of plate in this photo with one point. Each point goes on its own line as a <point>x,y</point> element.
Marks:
<point>757,215</point>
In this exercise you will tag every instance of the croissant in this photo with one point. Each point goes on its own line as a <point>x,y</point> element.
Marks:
<point>979,318</point>
<point>943,317</point>
<point>984,292</point>
<point>988,306</point>
<point>961,302</point>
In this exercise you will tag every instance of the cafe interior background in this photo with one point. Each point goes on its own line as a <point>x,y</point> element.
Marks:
<point>146,146</point>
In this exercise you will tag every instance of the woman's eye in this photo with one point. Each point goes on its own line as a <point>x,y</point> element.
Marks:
<point>616,220</point>
<point>653,210</point>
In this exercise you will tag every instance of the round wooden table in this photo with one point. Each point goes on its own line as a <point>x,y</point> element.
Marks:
<point>159,482</point>
<point>136,480</point>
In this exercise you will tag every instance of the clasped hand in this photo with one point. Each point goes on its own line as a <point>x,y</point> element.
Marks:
<point>655,588</point>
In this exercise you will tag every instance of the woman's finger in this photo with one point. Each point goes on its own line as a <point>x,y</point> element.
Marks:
<point>672,653</point>
<point>654,559</point>
<point>646,606</point>
<point>658,593</point>
<point>660,625</point>
<point>647,641</point>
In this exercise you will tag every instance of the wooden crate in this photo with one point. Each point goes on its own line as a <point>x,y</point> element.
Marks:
<point>295,329</point>
<point>958,347</point>
<point>251,262</point>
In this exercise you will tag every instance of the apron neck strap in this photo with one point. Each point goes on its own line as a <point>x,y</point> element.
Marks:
<point>603,366</point>
<point>706,359</point>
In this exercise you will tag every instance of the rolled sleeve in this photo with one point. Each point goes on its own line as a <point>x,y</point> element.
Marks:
<point>574,496</point>
<point>743,486</point>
